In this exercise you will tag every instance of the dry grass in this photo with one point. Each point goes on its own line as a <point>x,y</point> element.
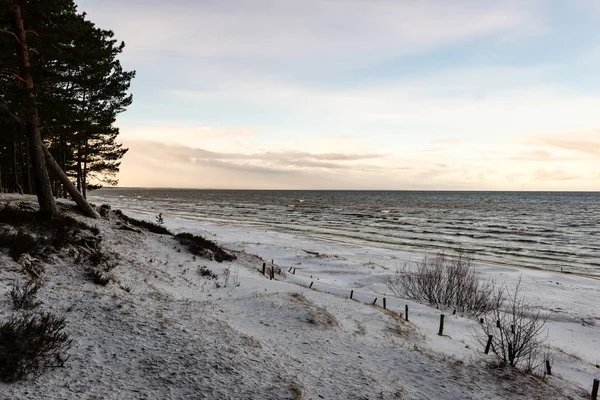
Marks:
<point>317,316</point>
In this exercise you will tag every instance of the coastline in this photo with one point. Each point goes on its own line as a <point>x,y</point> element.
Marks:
<point>241,333</point>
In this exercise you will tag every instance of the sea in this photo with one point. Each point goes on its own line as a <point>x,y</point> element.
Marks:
<point>557,231</point>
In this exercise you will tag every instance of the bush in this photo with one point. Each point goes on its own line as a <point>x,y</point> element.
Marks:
<point>97,276</point>
<point>31,343</point>
<point>150,226</point>
<point>446,282</point>
<point>24,297</point>
<point>104,211</point>
<point>207,273</point>
<point>518,331</point>
<point>199,246</point>
<point>35,238</point>
<point>20,242</point>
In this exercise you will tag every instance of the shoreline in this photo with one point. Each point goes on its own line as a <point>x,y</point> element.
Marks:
<point>234,326</point>
<point>360,243</point>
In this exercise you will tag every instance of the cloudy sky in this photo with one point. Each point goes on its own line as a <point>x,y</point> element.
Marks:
<point>360,94</point>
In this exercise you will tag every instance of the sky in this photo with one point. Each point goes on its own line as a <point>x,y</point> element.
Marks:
<point>359,94</point>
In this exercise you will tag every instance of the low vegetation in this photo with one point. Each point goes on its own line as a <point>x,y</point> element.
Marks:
<point>446,282</point>
<point>31,343</point>
<point>22,233</point>
<point>516,331</point>
<point>24,297</point>
<point>149,226</point>
<point>199,246</point>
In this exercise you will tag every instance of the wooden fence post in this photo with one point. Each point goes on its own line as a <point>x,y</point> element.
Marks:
<point>375,301</point>
<point>384,304</point>
<point>290,270</point>
<point>441,332</point>
<point>264,267</point>
<point>310,285</point>
<point>351,294</point>
<point>294,271</point>
<point>548,367</point>
<point>595,389</point>
<point>272,272</point>
<point>489,344</point>
<point>406,312</point>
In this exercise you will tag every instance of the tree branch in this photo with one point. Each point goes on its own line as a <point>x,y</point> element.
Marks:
<point>11,33</point>
<point>12,75</point>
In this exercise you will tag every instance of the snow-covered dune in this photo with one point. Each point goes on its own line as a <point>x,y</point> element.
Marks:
<point>161,329</point>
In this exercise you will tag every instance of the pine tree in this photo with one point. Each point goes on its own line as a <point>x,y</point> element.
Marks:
<point>80,89</point>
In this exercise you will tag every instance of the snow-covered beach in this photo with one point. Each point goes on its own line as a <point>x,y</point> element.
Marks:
<point>175,333</point>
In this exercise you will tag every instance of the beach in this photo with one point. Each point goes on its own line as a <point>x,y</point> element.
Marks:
<point>162,329</point>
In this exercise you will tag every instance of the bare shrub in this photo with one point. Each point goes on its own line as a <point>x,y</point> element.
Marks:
<point>31,343</point>
<point>446,282</point>
<point>24,296</point>
<point>518,331</point>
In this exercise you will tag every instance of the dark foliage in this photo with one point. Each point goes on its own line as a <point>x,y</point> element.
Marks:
<point>37,237</point>
<point>104,211</point>
<point>149,226</point>
<point>207,273</point>
<point>31,343</point>
<point>24,296</point>
<point>205,248</point>
<point>19,243</point>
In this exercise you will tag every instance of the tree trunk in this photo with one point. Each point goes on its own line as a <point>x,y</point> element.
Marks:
<point>48,208</point>
<point>84,174</point>
<point>16,169</point>
<point>79,166</point>
<point>68,185</point>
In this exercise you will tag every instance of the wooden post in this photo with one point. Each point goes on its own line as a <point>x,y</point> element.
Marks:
<point>294,271</point>
<point>384,304</point>
<point>441,332</point>
<point>595,389</point>
<point>351,294</point>
<point>454,312</point>
<point>489,344</point>
<point>272,273</point>
<point>290,270</point>
<point>375,301</point>
<point>310,285</point>
<point>548,367</point>
<point>264,267</point>
<point>406,312</point>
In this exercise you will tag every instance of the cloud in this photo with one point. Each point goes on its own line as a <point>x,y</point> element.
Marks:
<point>555,175</point>
<point>282,159</point>
<point>306,30</point>
<point>533,155</point>
<point>169,165</point>
<point>584,141</point>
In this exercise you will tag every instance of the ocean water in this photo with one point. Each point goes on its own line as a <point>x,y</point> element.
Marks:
<point>546,230</point>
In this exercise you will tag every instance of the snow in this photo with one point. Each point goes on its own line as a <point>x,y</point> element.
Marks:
<point>177,334</point>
